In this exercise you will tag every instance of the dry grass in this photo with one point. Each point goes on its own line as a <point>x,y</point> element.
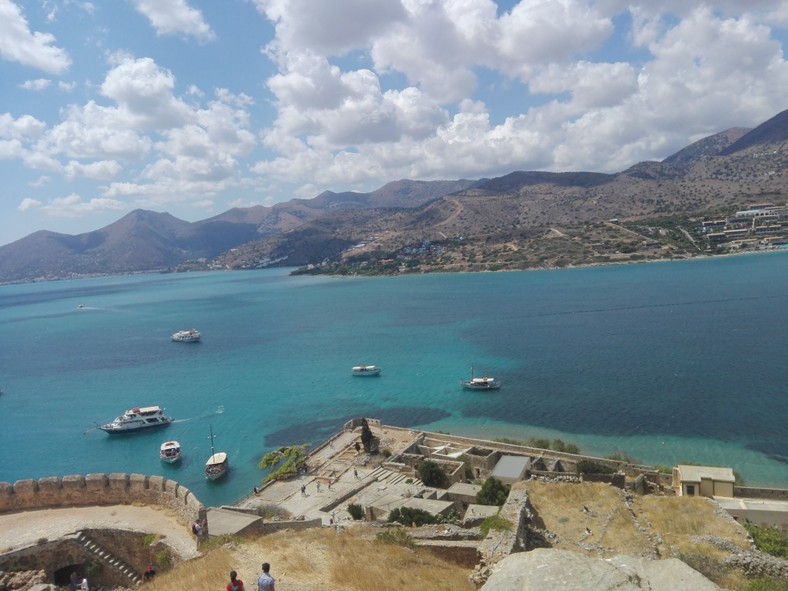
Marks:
<point>324,560</point>
<point>208,572</point>
<point>319,559</point>
<point>680,519</point>
<point>560,508</point>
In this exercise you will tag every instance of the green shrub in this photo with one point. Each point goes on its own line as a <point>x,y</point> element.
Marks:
<point>432,474</point>
<point>495,523</point>
<point>356,511</point>
<point>771,540</point>
<point>569,448</point>
<point>396,535</point>
<point>493,492</point>
<point>410,517</point>
<point>149,540</point>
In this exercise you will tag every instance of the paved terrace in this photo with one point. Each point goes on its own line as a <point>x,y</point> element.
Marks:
<point>338,474</point>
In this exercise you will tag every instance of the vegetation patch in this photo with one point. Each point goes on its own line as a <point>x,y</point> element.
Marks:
<point>495,523</point>
<point>397,536</point>
<point>769,539</point>
<point>432,474</point>
<point>284,462</point>
<point>493,492</point>
<point>409,517</point>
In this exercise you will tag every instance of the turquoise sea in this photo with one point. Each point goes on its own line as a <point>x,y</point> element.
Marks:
<point>669,362</point>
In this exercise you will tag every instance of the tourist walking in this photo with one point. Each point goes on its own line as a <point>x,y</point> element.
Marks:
<point>235,583</point>
<point>84,586</point>
<point>73,582</point>
<point>265,582</point>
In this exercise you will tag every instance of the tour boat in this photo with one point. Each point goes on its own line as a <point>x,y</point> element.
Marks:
<point>484,383</point>
<point>136,419</point>
<point>365,370</point>
<point>218,464</point>
<point>170,452</point>
<point>187,336</point>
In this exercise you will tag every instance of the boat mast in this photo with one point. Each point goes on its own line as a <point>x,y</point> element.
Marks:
<point>213,453</point>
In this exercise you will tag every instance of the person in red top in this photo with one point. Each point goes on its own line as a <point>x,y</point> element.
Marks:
<point>235,583</point>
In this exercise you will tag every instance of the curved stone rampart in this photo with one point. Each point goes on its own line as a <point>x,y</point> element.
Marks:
<point>100,489</point>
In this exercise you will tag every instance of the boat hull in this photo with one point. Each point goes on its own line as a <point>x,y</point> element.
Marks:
<point>468,386</point>
<point>124,430</point>
<point>366,371</point>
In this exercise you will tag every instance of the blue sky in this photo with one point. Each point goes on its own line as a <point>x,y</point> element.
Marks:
<point>193,107</point>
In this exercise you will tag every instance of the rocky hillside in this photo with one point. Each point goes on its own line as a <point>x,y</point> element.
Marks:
<point>521,220</point>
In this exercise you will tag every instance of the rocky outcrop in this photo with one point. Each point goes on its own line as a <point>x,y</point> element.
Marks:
<point>543,569</point>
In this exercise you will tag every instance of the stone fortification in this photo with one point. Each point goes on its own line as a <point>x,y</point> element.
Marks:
<point>500,544</point>
<point>100,489</point>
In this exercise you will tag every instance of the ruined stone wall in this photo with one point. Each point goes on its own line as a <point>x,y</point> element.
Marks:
<point>100,489</point>
<point>499,544</point>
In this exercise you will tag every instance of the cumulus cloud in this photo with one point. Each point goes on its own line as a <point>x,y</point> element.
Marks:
<point>33,49</point>
<point>361,92</point>
<point>70,206</point>
<point>175,17</point>
<point>36,85</point>
<point>337,125</point>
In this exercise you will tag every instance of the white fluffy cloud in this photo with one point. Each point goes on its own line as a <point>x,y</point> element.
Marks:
<point>34,49</point>
<point>175,17</point>
<point>335,125</point>
<point>351,94</point>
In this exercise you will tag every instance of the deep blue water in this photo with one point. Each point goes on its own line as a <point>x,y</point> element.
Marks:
<point>670,362</point>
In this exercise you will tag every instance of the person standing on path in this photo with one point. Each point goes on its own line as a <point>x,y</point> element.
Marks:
<point>235,583</point>
<point>84,586</point>
<point>266,581</point>
<point>73,582</point>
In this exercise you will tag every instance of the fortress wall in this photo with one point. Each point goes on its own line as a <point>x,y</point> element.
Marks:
<point>776,494</point>
<point>100,489</point>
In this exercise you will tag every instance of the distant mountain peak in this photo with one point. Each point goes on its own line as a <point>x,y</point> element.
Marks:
<point>773,131</point>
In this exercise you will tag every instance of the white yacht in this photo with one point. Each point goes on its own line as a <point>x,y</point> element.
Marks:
<point>365,370</point>
<point>484,383</point>
<point>187,336</point>
<point>136,419</point>
<point>170,452</point>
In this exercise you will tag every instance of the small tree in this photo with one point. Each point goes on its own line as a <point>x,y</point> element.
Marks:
<point>493,492</point>
<point>356,511</point>
<point>410,517</point>
<point>432,474</point>
<point>368,440</point>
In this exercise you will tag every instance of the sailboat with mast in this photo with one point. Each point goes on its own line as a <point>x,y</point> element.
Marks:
<point>218,464</point>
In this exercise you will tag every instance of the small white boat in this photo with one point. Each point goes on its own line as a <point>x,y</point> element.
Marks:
<point>137,419</point>
<point>365,370</point>
<point>218,464</point>
<point>483,383</point>
<point>187,336</point>
<point>170,452</point>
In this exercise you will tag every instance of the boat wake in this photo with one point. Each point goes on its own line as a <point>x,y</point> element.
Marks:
<point>219,410</point>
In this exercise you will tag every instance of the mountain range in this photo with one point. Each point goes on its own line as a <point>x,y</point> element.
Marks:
<point>520,220</point>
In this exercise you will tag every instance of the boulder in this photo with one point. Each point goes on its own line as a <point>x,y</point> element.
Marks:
<point>561,570</point>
